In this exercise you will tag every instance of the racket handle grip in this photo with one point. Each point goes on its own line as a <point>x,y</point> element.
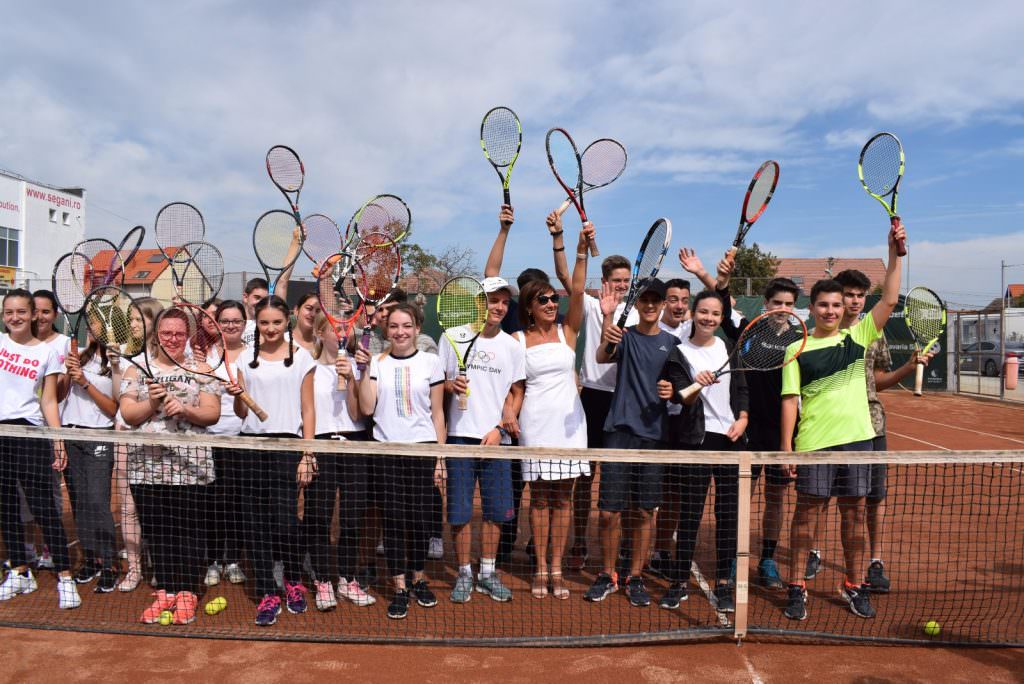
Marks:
<point>463,398</point>
<point>342,380</point>
<point>364,342</point>
<point>691,390</point>
<point>918,379</point>
<point>901,245</point>
<point>561,210</point>
<point>609,348</point>
<point>253,406</point>
<point>508,196</point>
<point>594,252</point>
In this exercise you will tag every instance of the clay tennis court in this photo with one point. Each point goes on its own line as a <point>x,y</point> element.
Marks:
<point>952,423</point>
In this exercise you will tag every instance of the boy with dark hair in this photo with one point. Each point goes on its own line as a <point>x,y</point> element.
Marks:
<point>827,383</point>
<point>255,290</point>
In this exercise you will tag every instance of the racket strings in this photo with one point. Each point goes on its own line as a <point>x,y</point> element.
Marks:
<point>336,290</point>
<point>385,215</point>
<point>760,192</point>
<point>462,303</point>
<point>564,158</point>
<point>272,237</point>
<point>768,341</point>
<point>70,285</point>
<point>285,168</point>
<point>501,136</point>
<point>322,237</point>
<point>178,223</point>
<point>114,322</point>
<point>603,162</point>
<point>649,262</point>
<point>380,265</point>
<point>880,164</point>
<point>924,314</point>
<point>200,266</point>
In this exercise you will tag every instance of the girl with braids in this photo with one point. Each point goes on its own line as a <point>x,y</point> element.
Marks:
<point>278,375</point>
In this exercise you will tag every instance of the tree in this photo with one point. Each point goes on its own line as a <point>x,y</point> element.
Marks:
<point>755,267</point>
<point>427,271</point>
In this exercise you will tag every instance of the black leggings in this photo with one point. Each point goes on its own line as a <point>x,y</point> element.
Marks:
<point>336,473</point>
<point>226,528</point>
<point>407,487</point>
<point>695,481</point>
<point>29,462</point>
<point>171,525</point>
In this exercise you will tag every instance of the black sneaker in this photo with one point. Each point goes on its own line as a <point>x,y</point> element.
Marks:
<point>604,584</point>
<point>108,580</point>
<point>88,572</point>
<point>637,592</point>
<point>366,577</point>
<point>813,564</point>
<point>423,595</point>
<point>859,600</point>
<point>796,603</point>
<point>675,595</point>
<point>659,564</point>
<point>768,574</point>
<point>399,606</point>
<point>877,582</point>
<point>724,599</point>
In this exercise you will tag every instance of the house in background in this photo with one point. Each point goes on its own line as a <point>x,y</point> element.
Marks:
<point>806,272</point>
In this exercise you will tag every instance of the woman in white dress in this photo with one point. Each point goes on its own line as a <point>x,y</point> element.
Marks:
<point>552,415</point>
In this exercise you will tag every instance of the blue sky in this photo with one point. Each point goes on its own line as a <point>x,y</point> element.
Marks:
<point>144,105</point>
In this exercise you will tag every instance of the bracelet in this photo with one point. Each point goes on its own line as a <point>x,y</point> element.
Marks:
<point>556,234</point>
<point>581,255</point>
<point>558,249</point>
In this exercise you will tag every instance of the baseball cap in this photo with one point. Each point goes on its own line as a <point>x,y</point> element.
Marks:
<point>495,283</point>
<point>655,286</point>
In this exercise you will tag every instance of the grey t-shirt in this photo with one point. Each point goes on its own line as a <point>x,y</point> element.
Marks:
<point>635,405</point>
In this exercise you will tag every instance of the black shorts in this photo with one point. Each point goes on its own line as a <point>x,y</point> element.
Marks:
<point>774,475</point>
<point>879,472</point>
<point>836,479</point>
<point>629,486</point>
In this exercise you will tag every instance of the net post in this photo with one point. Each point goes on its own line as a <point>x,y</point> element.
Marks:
<point>742,548</point>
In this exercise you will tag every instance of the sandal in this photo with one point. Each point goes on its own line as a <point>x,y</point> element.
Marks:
<point>539,589</point>
<point>558,589</point>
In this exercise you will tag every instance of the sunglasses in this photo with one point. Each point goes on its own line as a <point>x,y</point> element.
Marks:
<point>544,299</point>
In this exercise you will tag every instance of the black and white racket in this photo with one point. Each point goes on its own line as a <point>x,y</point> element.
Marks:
<point>645,267</point>
<point>501,137</point>
<point>287,173</point>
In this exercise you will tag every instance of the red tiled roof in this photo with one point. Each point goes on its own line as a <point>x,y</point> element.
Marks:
<point>806,272</point>
<point>148,261</point>
<point>1015,290</point>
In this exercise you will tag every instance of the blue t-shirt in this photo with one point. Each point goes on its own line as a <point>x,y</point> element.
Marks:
<point>635,404</point>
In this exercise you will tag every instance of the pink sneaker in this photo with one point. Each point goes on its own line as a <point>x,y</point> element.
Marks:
<point>325,596</point>
<point>163,601</point>
<point>354,593</point>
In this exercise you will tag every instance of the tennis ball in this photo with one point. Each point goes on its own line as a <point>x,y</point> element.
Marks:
<point>932,628</point>
<point>166,617</point>
<point>216,605</point>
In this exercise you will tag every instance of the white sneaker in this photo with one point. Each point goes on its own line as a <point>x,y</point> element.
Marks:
<point>234,573</point>
<point>18,583</point>
<point>436,550</point>
<point>212,575</point>
<point>380,548</point>
<point>67,593</point>
<point>354,593</point>
<point>325,596</point>
<point>45,560</point>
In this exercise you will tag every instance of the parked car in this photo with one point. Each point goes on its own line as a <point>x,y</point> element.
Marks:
<point>984,357</point>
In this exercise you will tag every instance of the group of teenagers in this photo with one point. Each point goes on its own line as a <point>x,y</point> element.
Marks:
<point>203,512</point>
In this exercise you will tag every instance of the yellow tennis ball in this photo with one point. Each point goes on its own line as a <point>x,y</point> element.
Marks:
<point>166,617</point>
<point>932,628</point>
<point>211,608</point>
<point>221,602</point>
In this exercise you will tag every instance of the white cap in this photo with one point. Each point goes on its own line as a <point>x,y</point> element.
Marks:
<point>494,284</point>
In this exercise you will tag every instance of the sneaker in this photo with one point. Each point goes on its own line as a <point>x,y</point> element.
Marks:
<point>877,582</point>
<point>768,573</point>
<point>234,573</point>
<point>212,575</point>
<point>88,572</point>
<point>463,590</point>
<point>295,597</point>
<point>268,610</point>
<point>162,601</point>
<point>724,601</point>
<point>67,593</point>
<point>625,561</point>
<point>45,560</point>
<point>423,595</point>
<point>325,596</point>
<point>354,593</point>
<point>813,564</point>
<point>674,595</point>
<point>399,606</point>
<point>796,603</point>
<point>859,600</point>
<point>658,564</point>
<point>108,580</point>
<point>436,549</point>
<point>17,583</point>
<point>185,603</point>
<point>604,584</point>
<point>637,592</point>
<point>493,587</point>
<point>130,581</point>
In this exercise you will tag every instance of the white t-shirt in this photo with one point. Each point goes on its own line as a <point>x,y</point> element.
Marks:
<point>229,423</point>
<point>681,331</point>
<point>717,409</point>
<point>593,374</point>
<point>332,405</point>
<point>494,364</point>
<point>22,369</point>
<point>79,408</point>
<point>249,332</point>
<point>403,412</point>
<point>278,391</point>
<point>61,344</point>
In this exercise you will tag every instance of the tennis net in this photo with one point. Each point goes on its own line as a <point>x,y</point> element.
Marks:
<point>216,511</point>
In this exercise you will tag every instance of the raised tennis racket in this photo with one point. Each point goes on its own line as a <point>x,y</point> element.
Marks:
<point>925,315</point>
<point>197,270</point>
<point>127,249</point>
<point>91,264</point>
<point>567,165</point>
<point>381,264</point>
<point>384,215</point>
<point>272,241</point>
<point>462,312</point>
<point>322,238</point>
<point>118,326</point>
<point>645,267</point>
<point>176,224</point>
<point>603,161</point>
<point>340,300</point>
<point>880,169</point>
<point>769,342</point>
<point>287,173</point>
<point>501,137</point>
<point>759,194</point>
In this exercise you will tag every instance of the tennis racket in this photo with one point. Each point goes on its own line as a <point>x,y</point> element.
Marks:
<point>118,326</point>
<point>759,194</point>
<point>92,263</point>
<point>880,170</point>
<point>272,241</point>
<point>177,224</point>
<point>566,164</point>
<point>287,173</point>
<point>925,315</point>
<point>384,216</point>
<point>340,300</point>
<point>381,264</point>
<point>197,270</point>
<point>645,267</point>
<point>501,137</point>
<point>204,339</point>
<point>769,342</point>
<point>602,162</point>
<point>127,249</point>
<point>322,238</point>
<point>462,312</point>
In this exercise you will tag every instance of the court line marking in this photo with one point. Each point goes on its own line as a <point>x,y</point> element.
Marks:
<point>702,582</point>
<point>755,678</point>
<point>915,439</point>
<point>955,427</point>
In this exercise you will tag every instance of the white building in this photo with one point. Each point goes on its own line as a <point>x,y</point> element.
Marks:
<point>38,223</point>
